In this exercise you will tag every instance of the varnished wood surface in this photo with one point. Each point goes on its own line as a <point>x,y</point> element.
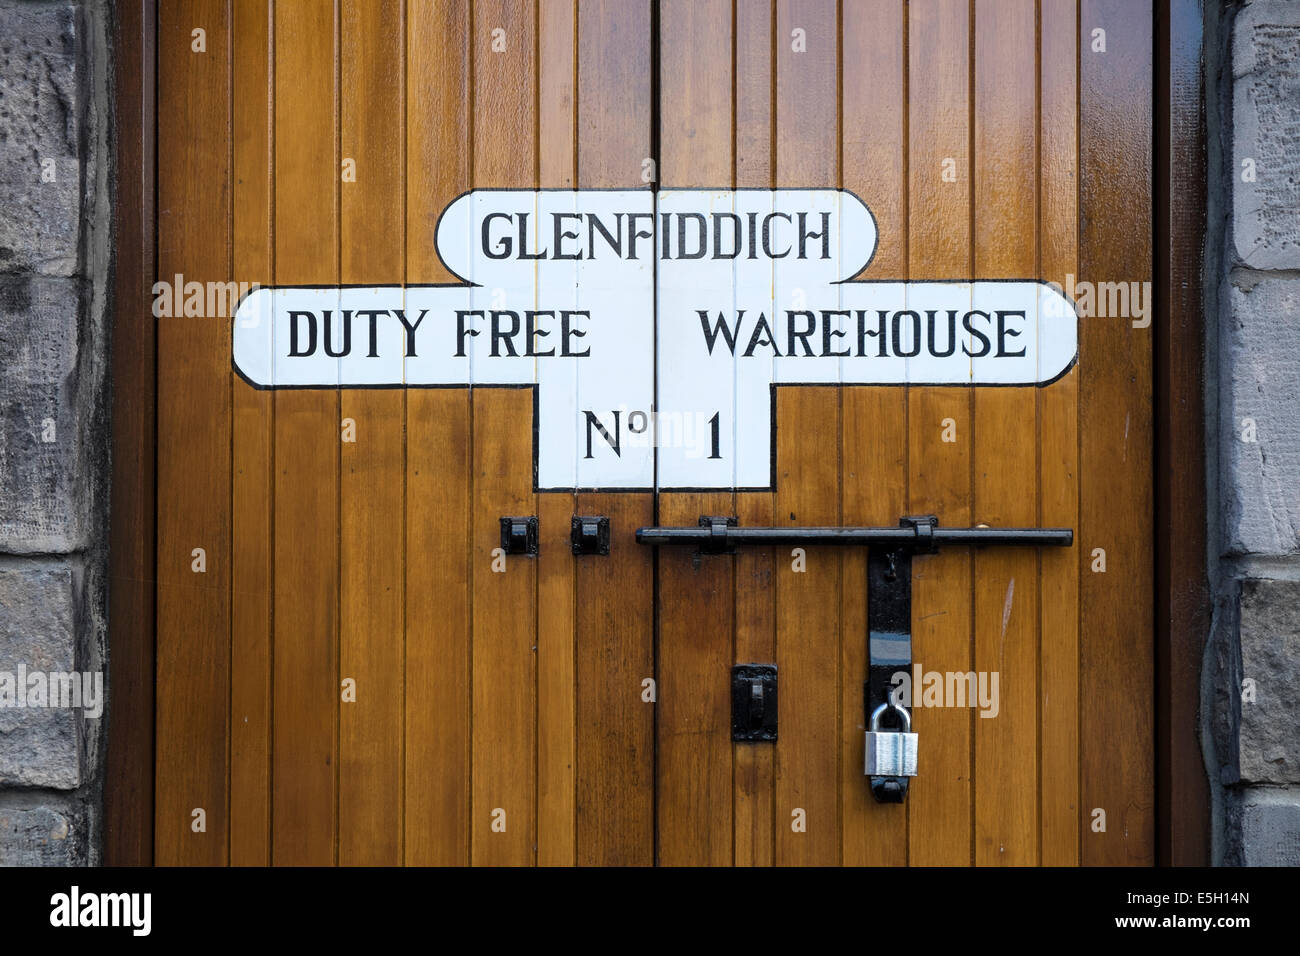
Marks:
<point>521,693</point>
<point>132,591</point>
<point>192,761</point>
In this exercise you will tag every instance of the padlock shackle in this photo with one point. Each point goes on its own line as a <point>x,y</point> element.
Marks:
<point>899,709</point>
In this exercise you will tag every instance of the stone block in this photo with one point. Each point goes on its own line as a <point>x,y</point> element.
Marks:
<point>1270,827</point>
<point>40,836</point>
<point>1265,129</point>
<point>40,172</point>
<point>40,746</point>
<point>1259,482</point>
<point>1269,733</point>
<point>44,498</point>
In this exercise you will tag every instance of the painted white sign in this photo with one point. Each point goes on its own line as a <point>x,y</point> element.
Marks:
<point>656,328</point>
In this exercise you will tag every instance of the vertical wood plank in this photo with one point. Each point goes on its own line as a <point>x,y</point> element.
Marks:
<point>253,508</point>
<point>1058,439</point>
<point>695,593</point>
<point>307,439</point>
<point>874,435</point>
<point>556,684</point>
<point>504,604</point>
<point>615,631</point>
<point>372,487</point>
<point>1006,474</point>
<point>505,613</point>
<point>1115,436</point>
<point>808,603</point>
<point>754,768</point>
<point>939,424</point>
<point>194,415</point>
<point>132,585</point>
<point>437,771</point>
<point>1182,586</point>
<point>556,608</point>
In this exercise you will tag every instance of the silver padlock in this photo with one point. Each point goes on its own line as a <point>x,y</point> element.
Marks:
<point>891,753</point>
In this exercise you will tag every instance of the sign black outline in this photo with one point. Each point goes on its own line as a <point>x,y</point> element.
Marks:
<point>534,386</point>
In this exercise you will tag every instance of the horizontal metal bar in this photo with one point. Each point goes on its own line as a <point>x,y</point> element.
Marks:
<point>899,537</point>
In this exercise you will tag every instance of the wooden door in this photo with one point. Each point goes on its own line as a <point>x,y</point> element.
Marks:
<point>346,676</point>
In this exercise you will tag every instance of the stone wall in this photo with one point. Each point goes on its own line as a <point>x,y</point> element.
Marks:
<point>54,252</point>
<point>1252,677</point>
